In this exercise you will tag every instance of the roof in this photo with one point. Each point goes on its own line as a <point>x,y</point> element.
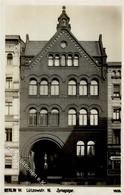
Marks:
<point>34,47</point>
<point>92,47</point>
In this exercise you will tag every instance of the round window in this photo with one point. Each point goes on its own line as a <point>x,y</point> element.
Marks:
<point>63,44</point>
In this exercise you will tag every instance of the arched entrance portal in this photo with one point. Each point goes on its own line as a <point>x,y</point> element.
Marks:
<point>47,159</point>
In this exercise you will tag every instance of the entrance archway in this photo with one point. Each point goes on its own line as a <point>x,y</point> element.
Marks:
<point>47,159</point>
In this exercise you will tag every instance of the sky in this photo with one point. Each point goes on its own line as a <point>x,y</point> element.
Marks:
<point>87,22</point>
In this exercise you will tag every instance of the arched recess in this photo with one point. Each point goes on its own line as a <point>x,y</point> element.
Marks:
<point>25,150</point>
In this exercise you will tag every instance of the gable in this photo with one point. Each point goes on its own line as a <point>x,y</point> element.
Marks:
<point>73,45</point>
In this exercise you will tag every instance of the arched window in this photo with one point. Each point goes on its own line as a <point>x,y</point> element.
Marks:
<point>113,74</point>
<point>76,60</point>
<point>57,60</point>
<point>69,60</point>
<point>33,87</point>
<point>72,117</point>
<point>44,87</point>
<point>72,87</point>
<point>55,87</point>
<point>9,59</point>
<point>54,117</point>
<point>93,117</point>
<point>80,148</point>
<point>63,60</point>
<point>82,117</point>
<point>83,87</point>
<point>91,148</point>
<point>32,117</point>
<point>43,117</point>
<point>118,74</point>
<point>50,60</point>
<point>94,87</point>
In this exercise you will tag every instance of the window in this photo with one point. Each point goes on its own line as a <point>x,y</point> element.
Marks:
<point>55,87</point>
<point>33,87</point>
<point>8,106</point>
<point>8,132</point>
<point>9,59</point>
<point>8,162</point>
<point>93,117</point>
<point>113,74</point>
<point>76,60</point>
<point>72,87</point>
<point>57,60</point>
<point>80,148</point>
<point>32,117</point>
<point>69,60</point>
<point>116,114</point>
<point>8,82</point>
<point>82,117</point>
<point>118,74</point>
<point>94,88</point>
<point>116,90</point>
<point>54,117</point>
<point>91,148</point>
<point>43,87</point>
<point>63,44</point>
<point>116,136</point>
<point>72,117</point>
<point>43,117</point>
<point>63,60</point>
<point>50,60</point>
<point>83,87</point>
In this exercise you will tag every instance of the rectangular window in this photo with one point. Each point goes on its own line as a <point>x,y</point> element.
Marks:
<point>80,150</point>
<point>8,108</point>
<point>116,90</point>
<point>71,90</point>
<point>8,82</point>
<point>82,119</point>
<point>116,136</point>
<point>8,162</point>
<point>83,89</point>
<point>44,89</point>
<point>8,132</point>
<point>116,114</point>
<point>32,119</point>
<point>54,90</point>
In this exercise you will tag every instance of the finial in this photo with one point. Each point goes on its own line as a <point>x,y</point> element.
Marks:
<point>63,7</point>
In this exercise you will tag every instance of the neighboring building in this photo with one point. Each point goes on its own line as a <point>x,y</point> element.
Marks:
<point>64,109</point>
<point>12,104</point>
<point>114,121</point>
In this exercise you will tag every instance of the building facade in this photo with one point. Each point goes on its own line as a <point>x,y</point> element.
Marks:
<point>12,105</point>
<point>114,122</point>
<point>63,113</point>
<point>63,106</point>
